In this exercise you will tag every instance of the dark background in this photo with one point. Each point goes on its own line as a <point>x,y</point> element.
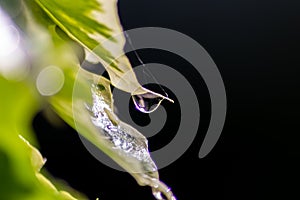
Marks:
<point>255,45</point>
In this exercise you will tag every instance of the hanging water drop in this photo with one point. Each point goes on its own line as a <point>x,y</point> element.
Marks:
<point>147,103</point>
<point>157,195</point>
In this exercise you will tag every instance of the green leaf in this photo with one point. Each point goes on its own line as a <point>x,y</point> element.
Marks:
<point>19,161</point>
<point>37,159</point>
<point>91,107</point>
<point>95,25</point>
<point>49,48</point>
<point>37,162</point>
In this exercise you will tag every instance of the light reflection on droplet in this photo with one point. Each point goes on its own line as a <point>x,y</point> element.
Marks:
<point>50,80</point>
<point>9,40</point>
<point>146,103</point>
<point>157,195</point>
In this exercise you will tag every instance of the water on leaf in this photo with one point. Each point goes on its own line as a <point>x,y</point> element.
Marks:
<point>128,141</point>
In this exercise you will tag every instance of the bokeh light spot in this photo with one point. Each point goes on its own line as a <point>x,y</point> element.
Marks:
<point>50,80</point>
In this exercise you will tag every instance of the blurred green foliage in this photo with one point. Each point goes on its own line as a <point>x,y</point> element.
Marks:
<point>46,44</point>
<point>19,161</point>
<point>55,33</point>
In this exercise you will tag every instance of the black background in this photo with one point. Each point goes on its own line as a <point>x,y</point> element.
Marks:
<point>255,45</point>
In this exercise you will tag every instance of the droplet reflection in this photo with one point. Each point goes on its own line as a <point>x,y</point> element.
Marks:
<point>146,103</point>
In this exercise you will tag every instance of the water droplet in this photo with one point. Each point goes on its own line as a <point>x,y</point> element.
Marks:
<point>117,142</point>
<point>161,191</point>
<point>147,103</point>
<point>157,195</point>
